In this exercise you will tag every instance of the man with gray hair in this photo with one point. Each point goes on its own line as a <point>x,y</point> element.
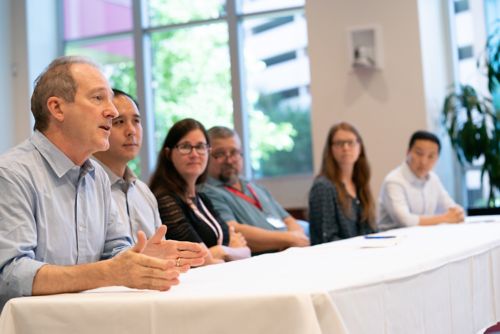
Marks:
<point>246,206</point>
<point>59,228</point>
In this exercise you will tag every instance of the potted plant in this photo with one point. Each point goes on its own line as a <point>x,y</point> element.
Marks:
<point>473,121</point>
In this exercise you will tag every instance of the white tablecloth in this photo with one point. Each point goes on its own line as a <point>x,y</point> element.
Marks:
<point>441,279</point>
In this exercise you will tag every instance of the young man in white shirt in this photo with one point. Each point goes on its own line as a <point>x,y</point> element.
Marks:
<point>412,194</point>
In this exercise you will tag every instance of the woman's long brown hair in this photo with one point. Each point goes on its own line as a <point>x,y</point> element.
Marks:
<point>360,176</point>
<point>166,179</point>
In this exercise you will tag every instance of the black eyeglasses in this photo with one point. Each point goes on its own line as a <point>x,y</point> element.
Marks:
<point>221,155</point>
<point>187,148</point>
<point>342,143</point>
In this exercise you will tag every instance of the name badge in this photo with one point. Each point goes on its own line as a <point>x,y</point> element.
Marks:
<point>278,223</point>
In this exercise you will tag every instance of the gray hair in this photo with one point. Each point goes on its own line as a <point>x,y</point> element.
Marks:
<point>221,132</point>
<point>55,80</point>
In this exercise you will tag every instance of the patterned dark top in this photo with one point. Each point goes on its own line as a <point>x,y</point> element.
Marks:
<point>183,224</point>
<point>327,220</point>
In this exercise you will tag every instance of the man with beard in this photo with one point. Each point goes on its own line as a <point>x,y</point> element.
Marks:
<point>246,206</point>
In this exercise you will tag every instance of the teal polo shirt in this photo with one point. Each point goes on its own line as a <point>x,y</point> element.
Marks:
<point>232,207</point>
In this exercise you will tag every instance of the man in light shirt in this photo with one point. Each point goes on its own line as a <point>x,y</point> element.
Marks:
<point>136,204</point>
<point>59,227</point>
<point>412,194</point>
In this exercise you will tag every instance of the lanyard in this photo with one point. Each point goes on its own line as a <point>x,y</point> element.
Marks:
<point>254,200</point>
<point>208,219</point>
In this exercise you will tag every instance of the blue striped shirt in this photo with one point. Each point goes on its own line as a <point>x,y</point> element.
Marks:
<point>136,203</point>
<point>52,212</point>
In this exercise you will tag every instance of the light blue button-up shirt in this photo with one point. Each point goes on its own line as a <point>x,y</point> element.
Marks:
<point>136,204</point>
<point>52,211</point>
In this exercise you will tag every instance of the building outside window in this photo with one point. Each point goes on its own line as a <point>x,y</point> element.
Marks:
<point>238,63</point>
<point>472,22</point>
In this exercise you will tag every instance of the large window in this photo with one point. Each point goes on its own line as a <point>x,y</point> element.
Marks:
<point>239,63</point>
<point>191,81</point>
<point>277,72</point>
<point>472,22</point>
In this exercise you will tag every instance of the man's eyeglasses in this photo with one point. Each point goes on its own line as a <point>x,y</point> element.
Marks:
<point>342,143</point>
<point>186,148</point>
<point>221,155</point>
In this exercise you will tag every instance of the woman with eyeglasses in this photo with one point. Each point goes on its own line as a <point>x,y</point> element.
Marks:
<point>341,204</point>
<point>189,216</point>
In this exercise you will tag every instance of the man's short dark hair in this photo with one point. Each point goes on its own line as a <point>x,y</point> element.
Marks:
<point>424,135</point>
<point>118,92</point>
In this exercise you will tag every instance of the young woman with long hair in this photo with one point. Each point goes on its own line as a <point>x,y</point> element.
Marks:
<point>341,204</point>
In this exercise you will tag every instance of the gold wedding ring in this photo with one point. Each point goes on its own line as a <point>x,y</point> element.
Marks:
<point>178,262</point>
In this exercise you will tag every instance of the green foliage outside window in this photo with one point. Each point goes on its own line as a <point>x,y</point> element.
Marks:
<point>293,154</point>
<point>192,78</point>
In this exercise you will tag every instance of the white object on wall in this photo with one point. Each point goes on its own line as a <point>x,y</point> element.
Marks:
<point>365,47</point>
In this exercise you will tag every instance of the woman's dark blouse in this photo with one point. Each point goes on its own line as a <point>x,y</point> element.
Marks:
<point>184,225</point>
<point>327,220</point>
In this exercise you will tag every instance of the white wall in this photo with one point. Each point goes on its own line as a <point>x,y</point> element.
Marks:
<point>6,130</point>
<point>14,82</point>
<point>31,43</point>
<point>438,68</point>
<point>387,105</point>
<point>43,39</point>
<point>20,80</point>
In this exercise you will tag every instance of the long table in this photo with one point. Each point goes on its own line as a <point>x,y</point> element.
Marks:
<point>441,279</point>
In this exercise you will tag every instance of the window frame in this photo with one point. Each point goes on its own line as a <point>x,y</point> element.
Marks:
<point>141,33</point>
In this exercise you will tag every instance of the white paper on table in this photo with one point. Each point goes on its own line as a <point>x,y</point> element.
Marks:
<point>483,219</point>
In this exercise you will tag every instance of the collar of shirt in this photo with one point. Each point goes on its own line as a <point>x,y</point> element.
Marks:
<point>124,182</point>
<point>218,183</point>
<point>57,160</point>
<point>215,182</point>
<point>411,177</point>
